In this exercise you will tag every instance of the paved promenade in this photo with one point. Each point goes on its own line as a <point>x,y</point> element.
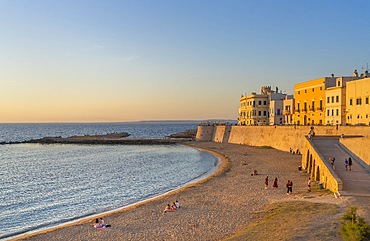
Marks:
<point>356,183</point>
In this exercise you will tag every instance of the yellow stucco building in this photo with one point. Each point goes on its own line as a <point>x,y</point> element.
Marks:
<point>310,101</point>
<point>335,102</point>
<point>357,102</point>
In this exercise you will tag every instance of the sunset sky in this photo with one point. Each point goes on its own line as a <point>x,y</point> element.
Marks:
<point>99,61</point>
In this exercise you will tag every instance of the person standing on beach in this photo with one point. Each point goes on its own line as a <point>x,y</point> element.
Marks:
<point>350,163</point>
<point>275,183</point>
<point>287,187</point>
<point>291,187</point>
<point>266,182</point>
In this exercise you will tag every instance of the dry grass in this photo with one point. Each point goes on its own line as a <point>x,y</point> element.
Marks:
<point>293,220</point>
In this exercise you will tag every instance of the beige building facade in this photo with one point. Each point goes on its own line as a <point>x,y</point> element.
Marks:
<point>255,108</point>
<point>288,105</point>
<point>335,106</point>
<point>357,102</point>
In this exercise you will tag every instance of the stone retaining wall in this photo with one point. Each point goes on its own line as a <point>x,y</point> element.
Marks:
<point>319,170</point>
<point>279,137</point>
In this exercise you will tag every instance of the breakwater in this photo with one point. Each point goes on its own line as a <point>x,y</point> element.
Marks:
<point>108,139</point>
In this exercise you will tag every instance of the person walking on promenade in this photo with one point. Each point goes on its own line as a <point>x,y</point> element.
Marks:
<point>332,160</point>
<point>291,187</point>
<point>346,163</point>
<point>275,183</point>
<point>350,163</point>
<point>309,184</point>
<point>266,182</point>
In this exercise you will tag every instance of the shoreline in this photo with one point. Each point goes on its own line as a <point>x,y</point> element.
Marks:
<point>216,170</point>
<point>214,208</point>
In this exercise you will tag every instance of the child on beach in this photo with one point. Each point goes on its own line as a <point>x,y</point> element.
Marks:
<point>266,182</point>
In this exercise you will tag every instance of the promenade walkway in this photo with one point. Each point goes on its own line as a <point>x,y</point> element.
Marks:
<point>356,183</point>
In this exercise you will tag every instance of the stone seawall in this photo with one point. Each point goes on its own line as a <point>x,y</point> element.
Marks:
<point>279,137</point>
<point>295,137</point>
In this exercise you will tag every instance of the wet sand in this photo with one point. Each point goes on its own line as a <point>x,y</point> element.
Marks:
<point>212,209</point>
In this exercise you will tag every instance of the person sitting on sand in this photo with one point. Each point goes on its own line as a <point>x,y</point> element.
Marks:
<point>254,173</point>
<point>177,204</point>
<point>99,223</point>
<point>95,223</point>
<point>173,206</point>
<point>167,208</point>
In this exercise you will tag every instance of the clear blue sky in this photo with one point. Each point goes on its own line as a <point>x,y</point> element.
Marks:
<point>67,61</point>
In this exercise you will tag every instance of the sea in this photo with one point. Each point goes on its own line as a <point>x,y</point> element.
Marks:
<point>45,185</point>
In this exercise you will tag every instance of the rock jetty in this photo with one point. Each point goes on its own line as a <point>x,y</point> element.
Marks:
<point>107,139</point>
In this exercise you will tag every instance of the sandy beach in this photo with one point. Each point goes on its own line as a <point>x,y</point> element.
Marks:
<point>216,208</point>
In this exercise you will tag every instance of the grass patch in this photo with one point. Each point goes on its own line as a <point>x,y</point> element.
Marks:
<point>295,220</point>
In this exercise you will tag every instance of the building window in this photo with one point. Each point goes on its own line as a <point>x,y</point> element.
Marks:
<point>264,102</point>
<point>305,91</point>
<point>299,92</point>
<point>305,106</point>
<point>328,100</point>
<point>350,101</point>
<point>259,113</point>
<point>337,98</point>
<point>313,89</point>
<point>259,102</point>
<point>278,112</point>
<point>358,101</point>
<point>264,113</point>
<point>328,114</point>
<point>320,88</point>
<point>332,99</point>
<point>320,104</point>
<point>299,107</point>
<point>337,112</point>
<point>338,83</point>
<point>313,106</point>
<point>367,100</point>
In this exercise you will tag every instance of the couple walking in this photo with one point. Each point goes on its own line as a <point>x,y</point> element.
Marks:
<point>289,186</point>
<point>267,182</point>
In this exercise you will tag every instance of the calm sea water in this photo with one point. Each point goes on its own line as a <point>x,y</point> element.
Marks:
<point>46,185</point>
<point>161,129</point>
